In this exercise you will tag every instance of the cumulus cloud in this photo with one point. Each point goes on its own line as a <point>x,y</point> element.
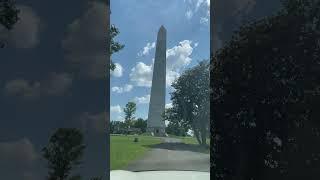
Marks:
<point>116,113</point>
<point>22,88</point>
<point>25,33</point>
<point>204,20</point>
<point>189,14</point>
<point>19,160</point>
<point>56,84</point>
<point>146,50</point>
<point>195,6</point>
<point>171,77</point>
<point>84,43</point>
<point>178,57</point>
<point>118,71</point>
<point>168,105</point>
<point>142,100</point>
<point>125,88</point>
<point>115,109</point>
<point>21,151</point>
<point>141,74</point>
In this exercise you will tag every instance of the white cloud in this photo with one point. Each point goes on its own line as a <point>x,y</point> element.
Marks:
<point>118,71</point>
<point>115,109</point>
<point>204,20</point>
<point>142,100</point>
<point>20,156</point>
<point>141,75</point>
<point>189,14</point>
<point>21,150</point>
<point>88,29</point>
<point>194,6</point>
<point>196,44</point>
<point>171,76</point>
<point>169,105</point>
<point>199,3</point>
<point>56,84</point>
<point>25,33</point>
<point>178,57</point>
<point>125,88</point>
<point>116,113</point>
<point>147,49</point>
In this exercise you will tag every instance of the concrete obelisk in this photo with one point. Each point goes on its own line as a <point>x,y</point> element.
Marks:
<point>155,123</point>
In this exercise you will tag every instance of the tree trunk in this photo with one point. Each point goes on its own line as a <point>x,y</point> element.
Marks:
<point>203,135</point>
<point>196,133</point>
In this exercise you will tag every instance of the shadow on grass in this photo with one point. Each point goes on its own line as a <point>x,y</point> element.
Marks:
<point>181,147</point>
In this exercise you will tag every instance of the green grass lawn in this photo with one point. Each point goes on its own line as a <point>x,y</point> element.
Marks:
<point>192,140</point>
<point>123,150</point>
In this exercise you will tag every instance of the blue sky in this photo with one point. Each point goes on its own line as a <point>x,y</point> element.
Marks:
<point>187,24</point>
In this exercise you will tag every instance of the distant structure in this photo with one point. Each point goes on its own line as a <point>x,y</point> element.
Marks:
<point>155,123</point>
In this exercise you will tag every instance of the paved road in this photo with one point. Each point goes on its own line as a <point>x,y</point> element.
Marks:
<point>172,155</point>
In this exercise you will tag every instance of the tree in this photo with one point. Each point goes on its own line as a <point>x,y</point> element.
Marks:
<point>63,152</point>
<point>141,124</point>
<point>176,124</point>
<point>264,98</point>
<point>117,127</point>
<point>114,46</point>
<point>129,112</point>
<point>8,15</point>
<point>190,100</point>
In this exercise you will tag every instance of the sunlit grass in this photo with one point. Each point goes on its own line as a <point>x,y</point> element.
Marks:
<point>123,150</point>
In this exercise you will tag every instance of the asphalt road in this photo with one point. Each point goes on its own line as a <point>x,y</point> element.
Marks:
<point>172,155</point>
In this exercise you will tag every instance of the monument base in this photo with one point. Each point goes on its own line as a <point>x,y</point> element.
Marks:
<point>157,131</point>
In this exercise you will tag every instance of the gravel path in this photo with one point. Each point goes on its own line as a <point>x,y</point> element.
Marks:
<point>172,155</point>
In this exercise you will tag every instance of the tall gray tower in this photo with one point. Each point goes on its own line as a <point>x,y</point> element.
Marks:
<point>155,121</point>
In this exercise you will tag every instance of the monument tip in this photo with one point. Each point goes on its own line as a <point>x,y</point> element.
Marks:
<point>162,27</point>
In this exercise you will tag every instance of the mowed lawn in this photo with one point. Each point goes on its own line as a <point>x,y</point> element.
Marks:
<point>192,140</point>
<point>123,150</point>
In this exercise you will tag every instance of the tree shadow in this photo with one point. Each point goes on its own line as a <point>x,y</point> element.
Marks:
<point>180,147</point>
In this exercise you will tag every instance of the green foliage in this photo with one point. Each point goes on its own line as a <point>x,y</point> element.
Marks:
<point>175,126</point>
<point>265,93</point>
<point>129,112</point>
<point>190,100</point>
<point>8,15</point>
<point>114,45</point>
<point>141,124</point>
<point>63,152</point>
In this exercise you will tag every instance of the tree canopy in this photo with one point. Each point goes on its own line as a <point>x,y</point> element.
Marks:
<point>129,112</point>
<point>115,46</point>
<point>265,81</point>
<point>190,102</point>
<point>63,152</point>
<point>8,15</point>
